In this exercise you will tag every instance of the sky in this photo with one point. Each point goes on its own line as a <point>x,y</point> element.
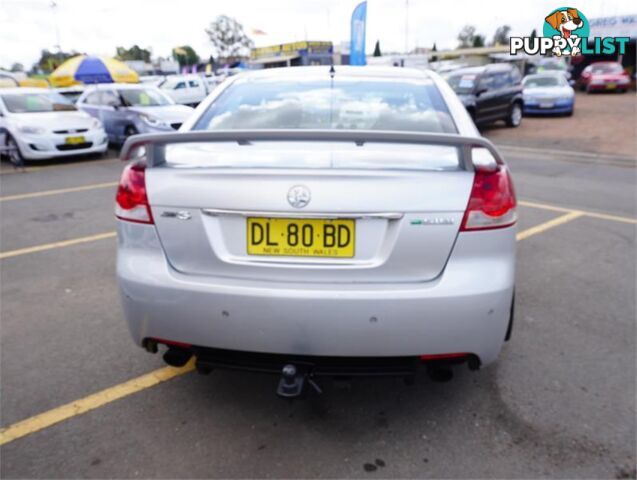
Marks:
<point>98,26</point>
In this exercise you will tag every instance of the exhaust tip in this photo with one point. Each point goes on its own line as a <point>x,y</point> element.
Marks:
<point>176,357</point>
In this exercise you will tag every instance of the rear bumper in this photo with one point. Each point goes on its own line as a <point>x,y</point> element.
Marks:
<point>563,107</point>
<point>316,366</point>
<point>599,87</point>
<point>466,309</point>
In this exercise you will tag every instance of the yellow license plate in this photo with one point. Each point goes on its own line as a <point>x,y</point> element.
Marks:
<point>301,237</point>
<point>74,140</point>
<point>611,86</point>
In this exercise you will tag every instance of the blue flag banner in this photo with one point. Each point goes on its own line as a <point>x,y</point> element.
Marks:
<point>357,41</point>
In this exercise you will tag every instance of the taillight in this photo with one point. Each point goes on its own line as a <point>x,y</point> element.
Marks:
<point>443,356</point>
<point>492,202</point>
<point>131,202</point>
<point>172,343</point>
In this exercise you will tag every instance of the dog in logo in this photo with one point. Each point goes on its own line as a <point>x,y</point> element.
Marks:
<point>565,21</point>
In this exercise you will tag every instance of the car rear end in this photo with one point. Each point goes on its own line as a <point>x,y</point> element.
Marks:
<point>606,76</point>
<point>363,246</point>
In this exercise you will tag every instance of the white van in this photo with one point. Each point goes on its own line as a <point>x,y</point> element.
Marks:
<point>185,89</point>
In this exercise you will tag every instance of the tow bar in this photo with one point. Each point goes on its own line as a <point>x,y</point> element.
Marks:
<point>292,382</point>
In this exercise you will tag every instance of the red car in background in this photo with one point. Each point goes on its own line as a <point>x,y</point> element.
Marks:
<point>604,76</point>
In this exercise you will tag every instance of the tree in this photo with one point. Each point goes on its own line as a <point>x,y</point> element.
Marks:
<point>228,38</point>
<point>501,35</point>
<point>466,36</point>
<point>133,53</point>
<point>478,41</point>
<point>17,67</point>
<point>49,61</point>
<point>377,49</point>
<point>185,55</point>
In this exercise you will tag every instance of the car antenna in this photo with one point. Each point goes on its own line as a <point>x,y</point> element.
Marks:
<point>332,73</point>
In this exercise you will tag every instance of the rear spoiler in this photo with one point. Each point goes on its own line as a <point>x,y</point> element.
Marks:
<point>155,143</point>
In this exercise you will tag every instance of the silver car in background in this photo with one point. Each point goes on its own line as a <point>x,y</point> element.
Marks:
<point>312,221</point>
<point>129,109</point>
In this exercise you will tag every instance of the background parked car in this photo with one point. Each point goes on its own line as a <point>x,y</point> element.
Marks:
<point>154,80</point>
<point>8,79</point>
<point>39,123</point>
<point>604,76</point>
<point>548,93</point>
<point>490,93</point>
<point>126,110</point>
<point>71,93</point>
<point>185,89</point>
<point>212,81</point>
<point>554,65</point>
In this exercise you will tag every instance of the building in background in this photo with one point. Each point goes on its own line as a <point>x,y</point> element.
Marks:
<point>141,67</point>
<point>341,53</point>
<point>292,55</point>
<point>409,60</point>
<point>158,66</point>
<point>618,26</point>
<point>166,66</point>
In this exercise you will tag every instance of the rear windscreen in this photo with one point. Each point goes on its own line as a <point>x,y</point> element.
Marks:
<point>346,103</point>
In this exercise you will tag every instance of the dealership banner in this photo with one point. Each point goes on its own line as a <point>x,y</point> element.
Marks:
<point>357,41</point>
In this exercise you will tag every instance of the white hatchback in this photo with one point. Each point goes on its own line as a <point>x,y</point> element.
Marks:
<point>37,124</point>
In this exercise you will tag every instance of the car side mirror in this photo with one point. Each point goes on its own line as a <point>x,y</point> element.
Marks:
<point>481,91</point>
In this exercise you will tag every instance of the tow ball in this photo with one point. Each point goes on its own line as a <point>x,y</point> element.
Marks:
<point>292,382</point>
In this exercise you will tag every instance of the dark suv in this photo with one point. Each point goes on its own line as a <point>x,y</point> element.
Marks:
<point>490,93</point>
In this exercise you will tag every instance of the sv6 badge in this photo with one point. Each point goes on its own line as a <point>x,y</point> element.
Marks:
<point>180,215</point>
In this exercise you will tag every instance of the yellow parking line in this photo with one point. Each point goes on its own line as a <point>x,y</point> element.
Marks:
<point>543,227</point>
<point>46,193</point>
<point>554,208</point>
<point>51,246</point>
<point>544,206</point>
<point>614,218</point>
<point>10,170</point>
<point>86,404</point>
<point>7,171</point>
<point>108,395</point>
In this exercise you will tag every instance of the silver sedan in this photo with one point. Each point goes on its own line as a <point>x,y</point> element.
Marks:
<point>319,221</point>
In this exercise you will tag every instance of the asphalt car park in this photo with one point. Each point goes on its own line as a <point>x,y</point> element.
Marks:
<point>602,123</point>
<point>79,399</point>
